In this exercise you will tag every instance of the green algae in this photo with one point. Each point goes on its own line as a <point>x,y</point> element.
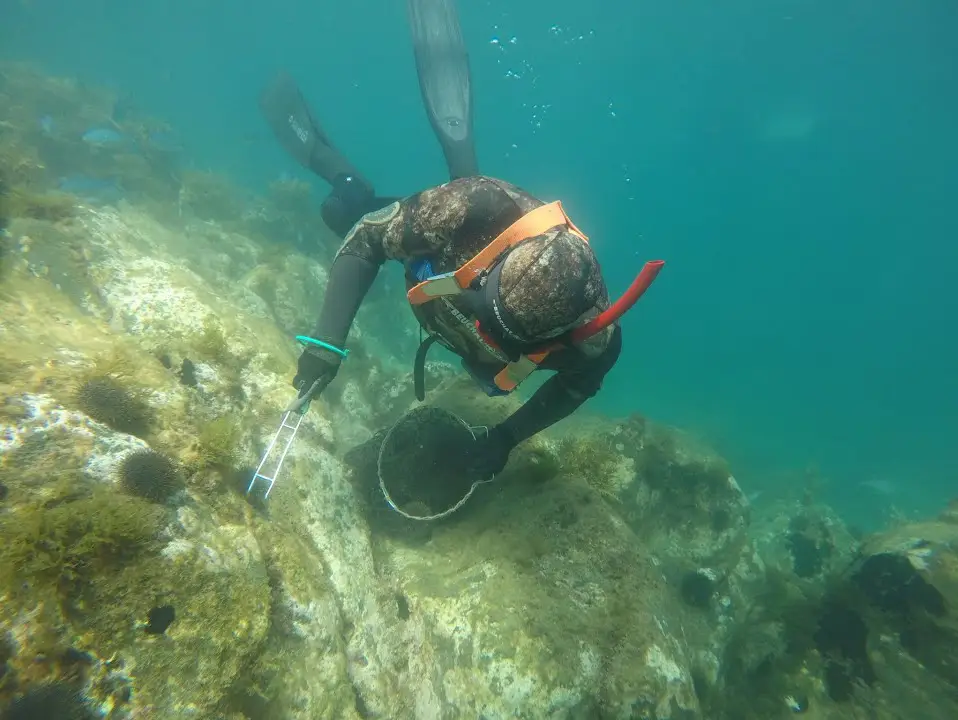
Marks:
<point>6,254</point>
<point>116,363</point>
<point>592,459</point>
<point>293,198</point>
<point>10,367</point>
<point>5,216</point>
<point>22,166</point>
<point>42,460</point>
<point>34,157</point>
<point>50,206</point>
<point>211,196</point>
<point>73,536</point>
<point>213,346</point>
<point>85,562</point>
<point>690,486</point>
<point>211,343</point>
<point>218,443</point>
<point>221,619</point>
<point>264,283</point>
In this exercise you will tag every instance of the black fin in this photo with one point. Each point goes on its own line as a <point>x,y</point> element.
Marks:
<point>442,64</point>
<point>298,131</point>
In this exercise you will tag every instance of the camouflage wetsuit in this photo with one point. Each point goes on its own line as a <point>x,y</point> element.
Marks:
<point>447,225</point>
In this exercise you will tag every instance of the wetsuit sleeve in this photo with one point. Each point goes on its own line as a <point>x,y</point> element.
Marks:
<point>350,278</point>
<point>563,393</point>
<point>353,272</point>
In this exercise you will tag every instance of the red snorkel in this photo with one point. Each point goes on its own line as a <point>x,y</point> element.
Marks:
<point>599,323</point>
<point>621,306</point>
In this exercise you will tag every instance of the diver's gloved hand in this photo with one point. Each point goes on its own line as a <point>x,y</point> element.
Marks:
<point>350,199</point>
<point>316,368</point>
<point>490,453</point>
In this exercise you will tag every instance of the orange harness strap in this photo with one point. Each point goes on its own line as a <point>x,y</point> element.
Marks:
<point>511,375</point>
<point>535,222</point>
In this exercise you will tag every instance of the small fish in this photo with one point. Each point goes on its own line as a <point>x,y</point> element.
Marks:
<point>102,136</point>
<point>46,124</point>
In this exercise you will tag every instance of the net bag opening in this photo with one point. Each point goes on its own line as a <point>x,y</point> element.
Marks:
<point>423,464</point>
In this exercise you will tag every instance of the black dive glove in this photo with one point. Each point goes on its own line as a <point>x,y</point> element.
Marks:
<point>315,370</point>
<point>490,453</point>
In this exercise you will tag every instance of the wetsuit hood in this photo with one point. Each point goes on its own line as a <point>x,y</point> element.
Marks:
<point>540,289</point>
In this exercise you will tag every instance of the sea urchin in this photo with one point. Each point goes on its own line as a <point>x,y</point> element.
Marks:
<point>150,475</point>
<point>108,401</point>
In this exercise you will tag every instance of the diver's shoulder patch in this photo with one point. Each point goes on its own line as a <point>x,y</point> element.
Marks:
<point>375,219</point>
<point>383,215</point>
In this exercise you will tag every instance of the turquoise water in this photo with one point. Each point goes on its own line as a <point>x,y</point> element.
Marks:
<point>794,162</point>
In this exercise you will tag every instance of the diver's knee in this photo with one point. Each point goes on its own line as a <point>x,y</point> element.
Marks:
<point>346,204</point>
<point>336,217</point>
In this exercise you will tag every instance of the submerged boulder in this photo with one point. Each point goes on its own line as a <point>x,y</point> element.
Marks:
<point>541,602</point>
<point>556,592</point>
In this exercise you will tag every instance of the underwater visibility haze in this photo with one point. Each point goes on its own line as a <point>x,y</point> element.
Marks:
<point>754,515</point>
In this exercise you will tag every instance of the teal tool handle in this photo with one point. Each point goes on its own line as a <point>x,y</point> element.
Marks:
<point>307,340</point>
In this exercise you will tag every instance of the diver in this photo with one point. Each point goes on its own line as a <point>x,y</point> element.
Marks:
<point>500,278</point>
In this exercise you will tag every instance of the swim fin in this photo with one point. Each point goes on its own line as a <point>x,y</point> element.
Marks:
<point>298,131</point>
<point>442,65</point>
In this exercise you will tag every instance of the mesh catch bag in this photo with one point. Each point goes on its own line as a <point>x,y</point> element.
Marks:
<point>423,464</point>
